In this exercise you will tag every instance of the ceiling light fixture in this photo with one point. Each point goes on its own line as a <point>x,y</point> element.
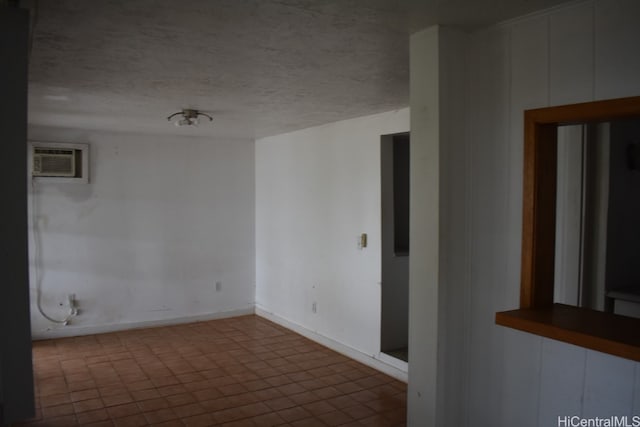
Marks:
<point>188,117</point>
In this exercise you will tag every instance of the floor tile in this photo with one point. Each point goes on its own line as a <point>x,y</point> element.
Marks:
<point>58,410</point>
<point>92,416</point>
<point>88,405</point>
<point>243,371</point>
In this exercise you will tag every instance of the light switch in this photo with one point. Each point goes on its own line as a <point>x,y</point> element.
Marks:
<point>363,241</point>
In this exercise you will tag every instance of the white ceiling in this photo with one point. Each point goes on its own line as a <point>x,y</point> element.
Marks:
<point>260,67</point>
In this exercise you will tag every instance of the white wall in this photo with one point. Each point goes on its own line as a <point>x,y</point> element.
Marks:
<point>582,52</point>
<point>317,190</point>
<point>161,221</point>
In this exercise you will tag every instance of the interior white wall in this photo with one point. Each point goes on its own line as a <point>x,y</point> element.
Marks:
<point>317,190</point>
<point>162,220</point>
<point>582,52</point>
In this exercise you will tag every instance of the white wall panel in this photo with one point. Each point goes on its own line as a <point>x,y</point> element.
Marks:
<point>549,58</point>
<point>617,36</point>
<point>608,386</point>
<point>454,280</point>
<point>561,380</point>
<point>529,88</point>
<point>487,187</point>
<point>571,71</point>
<point>528,58</point>
<point>521,379</point>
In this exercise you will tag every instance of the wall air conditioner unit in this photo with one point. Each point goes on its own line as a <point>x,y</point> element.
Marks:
<point>54,162</point>
<point>59,162</point>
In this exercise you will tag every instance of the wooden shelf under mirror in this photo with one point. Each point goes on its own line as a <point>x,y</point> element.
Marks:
<point>595,330</point>
<point>538,314</point>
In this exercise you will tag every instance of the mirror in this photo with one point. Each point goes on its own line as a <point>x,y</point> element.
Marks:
<point>538,313</point>
<point>597,235</point>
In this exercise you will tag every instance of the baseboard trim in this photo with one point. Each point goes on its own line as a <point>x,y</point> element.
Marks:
<point>397,363</point>
<point>384,366</point>
<point>76,331</point>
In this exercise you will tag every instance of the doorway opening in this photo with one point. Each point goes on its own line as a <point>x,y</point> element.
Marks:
<point>394,154</point>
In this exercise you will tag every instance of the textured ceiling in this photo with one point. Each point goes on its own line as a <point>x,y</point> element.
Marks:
<point>260,67</point>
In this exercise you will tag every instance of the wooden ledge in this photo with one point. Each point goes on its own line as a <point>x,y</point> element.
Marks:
<point>605,332</point>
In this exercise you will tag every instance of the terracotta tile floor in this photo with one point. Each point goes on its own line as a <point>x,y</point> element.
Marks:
<point>243,371</point>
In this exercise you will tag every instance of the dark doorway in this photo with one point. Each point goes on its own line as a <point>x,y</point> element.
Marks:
<point>394,150</point>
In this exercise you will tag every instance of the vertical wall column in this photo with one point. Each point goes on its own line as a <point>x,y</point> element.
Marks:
<point>438,195</point>
<point>16,376</point>
<point>424,226</point>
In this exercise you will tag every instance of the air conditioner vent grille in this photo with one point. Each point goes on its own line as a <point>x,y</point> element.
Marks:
<point>59,162</point>
<point>54,162</point>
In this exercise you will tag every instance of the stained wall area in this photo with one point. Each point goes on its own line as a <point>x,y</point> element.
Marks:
<point>163,232</point>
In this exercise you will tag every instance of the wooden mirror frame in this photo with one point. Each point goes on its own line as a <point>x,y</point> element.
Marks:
<point>538,314</point>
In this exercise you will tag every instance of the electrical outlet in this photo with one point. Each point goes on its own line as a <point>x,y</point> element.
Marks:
<point>218,286</point>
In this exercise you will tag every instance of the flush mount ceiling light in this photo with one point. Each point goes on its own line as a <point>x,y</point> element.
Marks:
<point>188,117</point>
